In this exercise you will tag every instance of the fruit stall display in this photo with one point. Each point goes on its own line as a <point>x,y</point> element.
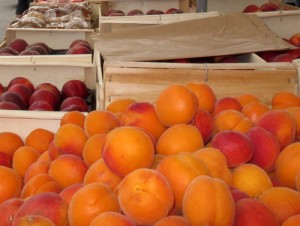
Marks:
<point>200,141</point>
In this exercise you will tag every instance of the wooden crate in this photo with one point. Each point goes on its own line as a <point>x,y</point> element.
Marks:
<point>297,64</point>
<point>117,23</point>
<point>143,81</point>
<point>37,73</point>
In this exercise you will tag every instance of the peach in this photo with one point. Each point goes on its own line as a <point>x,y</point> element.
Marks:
<point>180,170</point>
<point>22,90</point>
<point>251,9</point>
<point>179,138</point>
<point>9,106</point>
<point>33,220</point>
<point>143,115</point>
<point>269,6</point>
<point>8,210</point>
<point>47,204</point>
<point>250,211</point>
<point>236,147</point>
<point>112,218</point>
<point>145,201</point>
<point>282,201</point>
<point>266,148</point>
<point>135,12</point>
<point>226,103</point>
<point>126,149</point>
<point>67,169</point>
<point>204,121</point>
<point>14,98</point>
<point>21,80</point>
<point>254,110</point>
<point>213,197</point>
<point>281,124</point>
<point>44,95</point>
<point>295,39</point>
<point>237,194</point>
<point>79,103</point>
<point>173,11</point>
<point>251,179</point>
<point>18,44</point>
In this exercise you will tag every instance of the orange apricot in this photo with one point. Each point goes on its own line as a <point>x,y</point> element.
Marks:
<point>67,169</point>
<point>254,110</point>
<point>38,167</point>
<point>92,150</point>
<point>73,117</point>
<point>98,121</point>
<point>44,156</point>
<point>8,209</point>
<point>295,111</point>
<point>172,220</point>
<point>126,149</point>
<point>23,158</point>
<point>179,138</point>
<point>39,139</point>
<point>68,192</point>
<point>53,152</point>
<point>145,201</point>
<point>292,221</point>
<point>247,98</point>
<point>205,95</point>
<point>176,104</point>
<point>90,201</point>
<point>10,185</point>
<point>70,139</point>
<point>284,202</point>
<point>33,220</point>
<point>119,105</point>
<point>111,218</point>
<point>208,201</point>
<point>285,99</point>
<point>10,142</point>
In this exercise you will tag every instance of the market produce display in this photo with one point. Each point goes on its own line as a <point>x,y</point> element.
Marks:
<point>265,7</point>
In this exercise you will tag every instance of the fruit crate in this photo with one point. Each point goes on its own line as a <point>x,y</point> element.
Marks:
<point>37,73</point>
<point>297,64</point>
<point>143,81</point>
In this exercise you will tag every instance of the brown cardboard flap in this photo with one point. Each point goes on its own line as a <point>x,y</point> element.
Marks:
<point>228,34</point>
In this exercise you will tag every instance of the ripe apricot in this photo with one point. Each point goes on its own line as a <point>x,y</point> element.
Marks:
<point>10,185</point>
<point>292,221</point>
<point>53,152</point>
<point>285,99</point>
<point>99,172</point>
<point>119,105</point>
<point>251,179</point>
<point>33,220</point>
<point>112,218</point>
<point>23,158</point>
<point>70,139</point>
<point>143,115</point>
<point>172,220</point>
<point>205,95</point>
<point>284,202</point>
<point>98,121</point>
<point>127,148</point>
<point>39,139</point>
<point>8,209</point>
<point>180,169</point>
<point>254,110</point>
<point>145,201</point>
<point>176,104</point>
<point>179,138</point>
<point>67,169</point>
<point>92,150</point>
<point>247,98</point>
<point>36,168</point>
<point>68,192</point>
<point>295,111</point>
<point>232,120</point>
<point>73,117</point>
<point>208,200</point>
<point>89,201</point>
<point>10,142</point>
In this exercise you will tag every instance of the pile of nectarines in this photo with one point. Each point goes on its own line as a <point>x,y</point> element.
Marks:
<point>19,46</point>
<point>265,7</point>
<point>138,12</point>
<point>20,94</point>
<point>189,158</point>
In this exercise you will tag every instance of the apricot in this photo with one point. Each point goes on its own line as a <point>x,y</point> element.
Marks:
<point>232,120</point>
<point>266,148</point>
<point>237,194</point>
<point>281,124</point>
<point>251,179</point>
<point>73,117</point>
<point>143,115</point>
<point>284,202</point>
<point>8,209</point>
<point>92,150</point>
<point>176,104</point>
<point>295,111</point>
<point>236,146</point>
<point>292,221</point>
<point>216,163</point>
<point>46,204</point>
<point>250,211</point>
<point>208,201</point>
<point>10,142</point>
<point>67,169</point>
<point>145,201</point>
<point>247,98</point>
<point>180,169</point>
<point>119,105</point>
<point>254,110</point>
<point>33,220</point>
<point>90,201</point>
<point>285,99</point>
<point>126,149</point>
<point>111,218</point>
<point>98,121</point>
<point>68,192</point>
<point>172,220</point>
<point>179,138</point>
